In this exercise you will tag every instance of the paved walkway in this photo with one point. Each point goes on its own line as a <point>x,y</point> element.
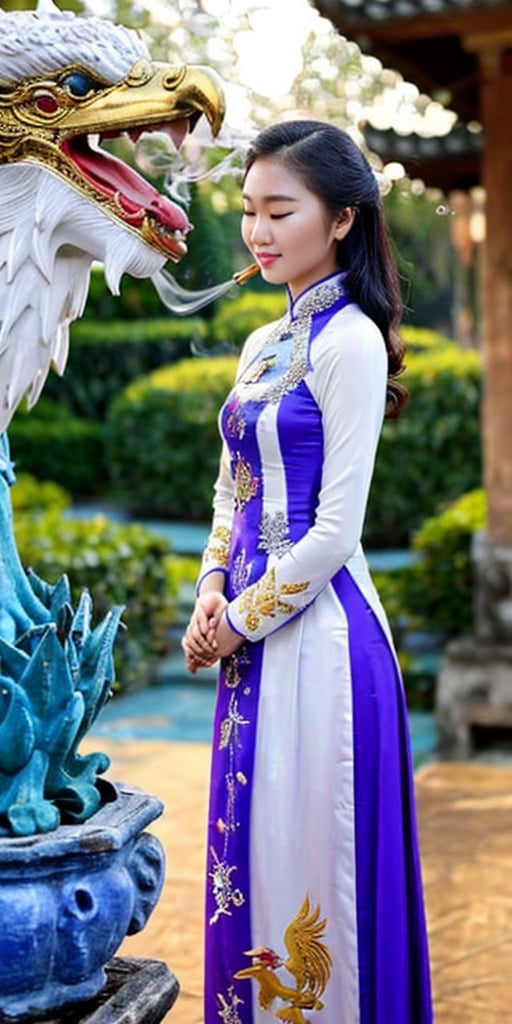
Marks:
<point>465,816</point>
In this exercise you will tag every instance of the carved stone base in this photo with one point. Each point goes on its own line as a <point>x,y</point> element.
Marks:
<point>474,689</point>
<point>137,991</point>
<point>69,897</point>
<point>493,593</point>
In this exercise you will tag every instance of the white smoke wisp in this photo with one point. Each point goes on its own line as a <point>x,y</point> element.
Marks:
<point>199,160</point>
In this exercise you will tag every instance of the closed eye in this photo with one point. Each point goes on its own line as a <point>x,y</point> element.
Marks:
<point>279,216</point>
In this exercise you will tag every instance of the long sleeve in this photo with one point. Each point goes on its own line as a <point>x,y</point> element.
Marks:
<point>348,383</point>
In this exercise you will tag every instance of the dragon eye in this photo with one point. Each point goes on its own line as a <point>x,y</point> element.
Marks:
<point>79,84</point>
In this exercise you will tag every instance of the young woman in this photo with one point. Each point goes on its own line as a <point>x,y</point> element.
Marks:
<point>314,901</point>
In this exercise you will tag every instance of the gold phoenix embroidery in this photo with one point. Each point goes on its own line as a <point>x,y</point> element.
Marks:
<point>309,962</point>
<point>218,546</point>
<point>262,599</point>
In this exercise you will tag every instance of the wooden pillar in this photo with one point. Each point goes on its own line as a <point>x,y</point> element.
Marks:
<point>495,55</point>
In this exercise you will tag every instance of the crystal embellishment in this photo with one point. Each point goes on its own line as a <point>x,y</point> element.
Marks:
<point>256,385</point>
<point>274,534</point>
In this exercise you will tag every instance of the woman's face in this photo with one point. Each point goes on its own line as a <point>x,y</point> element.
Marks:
<point>287,228</point>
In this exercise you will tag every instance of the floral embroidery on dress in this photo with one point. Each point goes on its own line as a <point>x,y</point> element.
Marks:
<point>255,371</point>
<point>230,726</point>
<point>232,666</point>
<point>235,421</point>
<point>240,572</point>
<point>228,1006</point>
<point>218,546</point>
<point>263,600</point>
<point>274,534</point>
<point>224,894</point>
<point>246,484</point>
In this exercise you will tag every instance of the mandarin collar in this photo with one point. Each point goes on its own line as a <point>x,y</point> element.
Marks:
<point>322,294</point>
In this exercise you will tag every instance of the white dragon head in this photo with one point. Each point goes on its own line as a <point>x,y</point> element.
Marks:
<point>66,83</point>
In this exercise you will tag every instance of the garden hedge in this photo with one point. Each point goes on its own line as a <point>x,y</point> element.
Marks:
<point>52,444</point>
<point>431,453</point>
<point>105,355</point>
<point>118,563</point>
<point>242,313</point>
<point>162,438</point>
<point>437,590</point>
<point>163,448</point>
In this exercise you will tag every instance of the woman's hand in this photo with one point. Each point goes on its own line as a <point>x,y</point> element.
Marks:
<point>199,642</point>
<point>209,636</point>
<point>227,640</point>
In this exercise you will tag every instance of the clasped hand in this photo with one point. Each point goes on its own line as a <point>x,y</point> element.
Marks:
<point>209,636</point>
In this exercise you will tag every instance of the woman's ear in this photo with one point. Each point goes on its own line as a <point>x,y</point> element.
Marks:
<point>343,222</point>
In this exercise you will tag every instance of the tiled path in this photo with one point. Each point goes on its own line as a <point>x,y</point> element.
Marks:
<point>465,816</point>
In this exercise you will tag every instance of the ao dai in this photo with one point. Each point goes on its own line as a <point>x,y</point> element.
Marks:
<point>314,903</point>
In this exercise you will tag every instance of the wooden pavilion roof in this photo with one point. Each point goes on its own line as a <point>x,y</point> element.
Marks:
<point>425,40</point>
<point>446,162</point>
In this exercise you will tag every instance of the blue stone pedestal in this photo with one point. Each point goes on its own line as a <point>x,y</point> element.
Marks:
<point>69,897</point>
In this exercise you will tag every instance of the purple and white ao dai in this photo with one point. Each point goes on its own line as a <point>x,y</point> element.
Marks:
<point>314,902</point>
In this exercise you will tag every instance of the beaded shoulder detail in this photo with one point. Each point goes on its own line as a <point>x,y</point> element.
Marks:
<point>282,361</point>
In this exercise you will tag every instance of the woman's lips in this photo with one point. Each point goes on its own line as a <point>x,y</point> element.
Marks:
<point>266,258</point>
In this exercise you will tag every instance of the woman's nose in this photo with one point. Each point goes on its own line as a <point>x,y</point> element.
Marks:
<point>261,233</point>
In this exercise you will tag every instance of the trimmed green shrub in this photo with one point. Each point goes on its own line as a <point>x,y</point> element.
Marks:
<point>436,592</point>
<point>137,299</point>
<point>105,355</point>
<point>431,453</point>
<point>118,564</point>
<point>162,438</point>
<point>424,339</point>
<point>237,317</point>
<point>51,444</point>
<point>36,496</point>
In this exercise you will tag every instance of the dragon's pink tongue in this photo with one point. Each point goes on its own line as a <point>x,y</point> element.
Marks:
<point>134,192</point>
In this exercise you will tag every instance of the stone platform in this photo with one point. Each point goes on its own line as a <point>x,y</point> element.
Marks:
<point>465,813</point>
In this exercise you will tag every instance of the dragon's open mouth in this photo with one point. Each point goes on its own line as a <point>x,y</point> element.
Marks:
<point>61,121</point>
<point>137,202</point>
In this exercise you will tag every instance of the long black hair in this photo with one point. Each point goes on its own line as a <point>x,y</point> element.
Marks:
<point>333,167</point>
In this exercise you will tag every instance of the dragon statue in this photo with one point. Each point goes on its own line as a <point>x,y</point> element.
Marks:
<point>67,83</point>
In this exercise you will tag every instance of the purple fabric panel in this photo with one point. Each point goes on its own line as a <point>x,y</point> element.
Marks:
<point>228,932</point>
<point>392,938</point>
<point>300,434</point>
<point>247,516</point>
<point>300,431</point>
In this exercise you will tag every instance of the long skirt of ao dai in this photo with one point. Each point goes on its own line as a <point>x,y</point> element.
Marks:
<point>312,807</point>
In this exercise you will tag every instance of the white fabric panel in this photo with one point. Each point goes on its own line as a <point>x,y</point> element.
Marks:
<point>300,803</point>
